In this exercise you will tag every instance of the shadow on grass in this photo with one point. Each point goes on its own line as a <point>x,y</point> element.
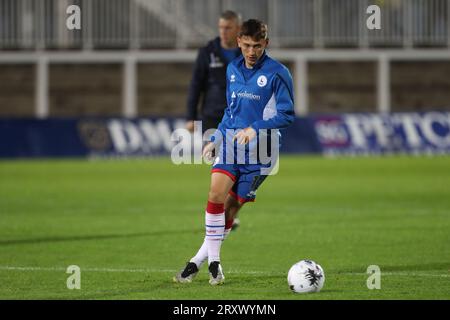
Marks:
<point>96,237</point>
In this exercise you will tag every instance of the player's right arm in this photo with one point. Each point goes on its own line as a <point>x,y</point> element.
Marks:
<point>197,86</point>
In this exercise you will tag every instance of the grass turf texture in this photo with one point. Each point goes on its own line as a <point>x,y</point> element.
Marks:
<point>130,225</point>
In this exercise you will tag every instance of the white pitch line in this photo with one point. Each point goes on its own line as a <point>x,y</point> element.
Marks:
<point>399,273</point>
<point>59,269</point>
<point>15,268</point>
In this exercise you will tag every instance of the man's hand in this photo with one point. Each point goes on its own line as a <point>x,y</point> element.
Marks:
<point>190,125</point>
<point>245,135</point>
<point>208,152</point>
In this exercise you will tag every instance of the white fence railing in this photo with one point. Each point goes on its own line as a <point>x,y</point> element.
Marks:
<point>300,60</point>
<point>142,24</point>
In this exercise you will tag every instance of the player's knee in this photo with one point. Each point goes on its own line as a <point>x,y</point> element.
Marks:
<point>216,197</point>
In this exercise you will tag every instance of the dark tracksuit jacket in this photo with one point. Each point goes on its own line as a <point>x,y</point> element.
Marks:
<point>209,83</point>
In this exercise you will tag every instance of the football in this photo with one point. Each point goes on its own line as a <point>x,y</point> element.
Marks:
<point>306,276</point>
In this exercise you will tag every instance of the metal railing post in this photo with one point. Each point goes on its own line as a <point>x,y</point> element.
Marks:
<point>134,26</point>
<point>87,24</point>
<point>129,87</point>
<point>181,35</point>
<point>363,31</point>
<point>272,22</point>
<point>301,86</point>
<point>383,84</point>
<point>318,24</point>
<point>448,24</point>
<point>407,24</point>
<point>41,94</point>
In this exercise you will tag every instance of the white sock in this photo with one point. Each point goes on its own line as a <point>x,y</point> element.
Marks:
<point>218,220</point>
<point>214,225</point>
<point>201,255</point>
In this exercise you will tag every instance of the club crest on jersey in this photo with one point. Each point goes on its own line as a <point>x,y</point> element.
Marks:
<point>232,78</point>
<point>262,81</point>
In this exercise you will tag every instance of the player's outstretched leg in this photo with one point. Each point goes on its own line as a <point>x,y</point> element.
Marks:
<point>187,274</point>
<point>215,229</point>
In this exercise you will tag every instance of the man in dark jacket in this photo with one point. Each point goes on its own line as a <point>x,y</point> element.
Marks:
<point>209,77</point>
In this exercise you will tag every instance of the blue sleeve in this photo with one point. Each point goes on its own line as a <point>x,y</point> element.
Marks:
<point>282,88</point>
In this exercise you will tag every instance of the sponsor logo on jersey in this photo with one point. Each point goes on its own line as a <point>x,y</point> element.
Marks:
<point>232,78</point>
<point>248,95</point>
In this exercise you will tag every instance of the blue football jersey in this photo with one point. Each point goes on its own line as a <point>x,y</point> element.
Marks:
<point>261,97</point>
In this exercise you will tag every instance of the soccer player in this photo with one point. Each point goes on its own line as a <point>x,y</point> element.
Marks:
<point>259,97</point>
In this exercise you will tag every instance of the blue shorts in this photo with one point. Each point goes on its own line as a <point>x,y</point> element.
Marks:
<point>243,165</point>
<point>247,179</point>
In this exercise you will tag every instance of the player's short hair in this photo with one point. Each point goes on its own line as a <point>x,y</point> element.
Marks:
<point>231,15</point>
<point>255,29</point>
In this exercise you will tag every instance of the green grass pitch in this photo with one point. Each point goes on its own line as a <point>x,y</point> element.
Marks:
<point>131,224</point>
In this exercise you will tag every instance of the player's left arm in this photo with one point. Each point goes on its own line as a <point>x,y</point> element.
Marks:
<point>282,89</point>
